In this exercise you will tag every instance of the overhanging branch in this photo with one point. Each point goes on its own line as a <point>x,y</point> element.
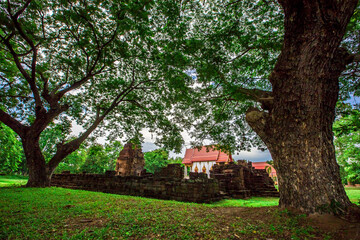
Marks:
<point>12,123</point>
<point>265,98</point>
<point>258,121</point>
<point>257,95</point>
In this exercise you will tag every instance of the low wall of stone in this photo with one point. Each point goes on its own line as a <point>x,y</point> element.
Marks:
<point>200,190</point>
<point>227,180</point>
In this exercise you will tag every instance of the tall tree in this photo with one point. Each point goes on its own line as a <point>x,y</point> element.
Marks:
<point>295,89</point>
<point>86,62</point>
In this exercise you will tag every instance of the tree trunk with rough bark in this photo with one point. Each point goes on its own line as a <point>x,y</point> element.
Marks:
<point>40,172</point>
<point>297,128</point>
<point>38,175</point>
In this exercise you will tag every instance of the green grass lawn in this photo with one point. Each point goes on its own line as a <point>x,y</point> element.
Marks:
<point>353,193</point>
<point>58,213</point>
<point>13,180</point>
<point>250,202</point>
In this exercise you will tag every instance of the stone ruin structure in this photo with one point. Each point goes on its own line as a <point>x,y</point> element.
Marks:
<point>167,184</point>
<point>241,180</point>
<point>130,161</point>
<point>227,180</point>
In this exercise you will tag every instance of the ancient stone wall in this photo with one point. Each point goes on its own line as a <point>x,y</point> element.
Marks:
<point>227,180</point>
<point>161,185</point>
<point>241,180</point>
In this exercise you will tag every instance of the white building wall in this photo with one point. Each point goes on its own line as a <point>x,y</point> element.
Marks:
<point>200,166</point>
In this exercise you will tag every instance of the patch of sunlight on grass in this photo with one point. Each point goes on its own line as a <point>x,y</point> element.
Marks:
<point>12,181</point>
<point>353,194</point>
<point>251,202</point>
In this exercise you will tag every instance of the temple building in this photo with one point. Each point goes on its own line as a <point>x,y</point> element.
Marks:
<point>202,160</point>
<point>269,169</point>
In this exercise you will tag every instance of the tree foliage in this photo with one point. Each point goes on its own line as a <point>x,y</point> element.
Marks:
<point>347,143</point>
<point>237,44</point>
<point>11,153</point>
<point>155,160</point>
<point>87,62</point>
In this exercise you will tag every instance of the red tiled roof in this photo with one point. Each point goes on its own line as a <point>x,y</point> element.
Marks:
<point>205,155</point>
<point>262,165</point>
<point>187,157</point>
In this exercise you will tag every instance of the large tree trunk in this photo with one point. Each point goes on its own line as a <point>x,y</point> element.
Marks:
<point>298,127</point>
<point>38,174</point>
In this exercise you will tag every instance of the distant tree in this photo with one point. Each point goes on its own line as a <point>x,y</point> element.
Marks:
<point>347,143</point>
<point>11,153</point>
<point>175,160</point>
<point>96,160</point>
<point>156,159</point>
<point>112,151</point>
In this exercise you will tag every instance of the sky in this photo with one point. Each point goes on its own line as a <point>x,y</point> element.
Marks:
<point>254,155</point>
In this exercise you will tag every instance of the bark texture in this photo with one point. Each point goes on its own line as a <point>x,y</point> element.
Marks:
<point>297,128</point>
<point>38,176</point>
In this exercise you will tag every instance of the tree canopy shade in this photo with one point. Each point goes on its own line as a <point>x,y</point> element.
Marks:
<point>87,61</point>
<point>279,64</point>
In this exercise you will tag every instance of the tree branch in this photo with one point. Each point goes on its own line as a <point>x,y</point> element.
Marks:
<point>261,96</point>
<point>136,103</point>
<point>265,98</point>
<point>15,17</point>
<point>29,79</point>
<point>22,9</point>
<point>64,150</point>
<point>16,96</point>
<point>258,122</point>
<point>49,97</point>
<point>79,83</point>
<point>16,59</point>
<point>12,123</point>
<point>240,55</point>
